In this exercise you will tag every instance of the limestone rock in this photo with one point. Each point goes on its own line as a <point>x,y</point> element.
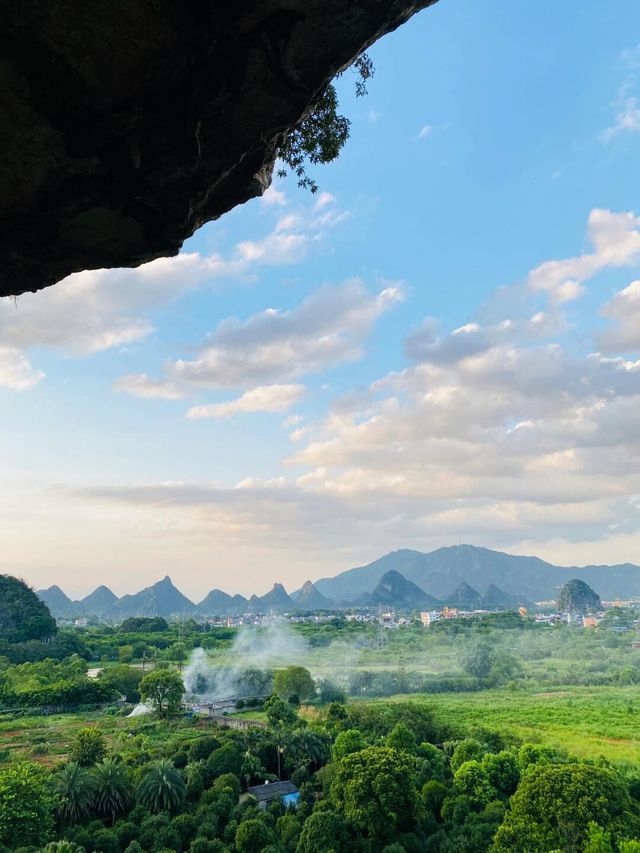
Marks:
<point>128,124</point>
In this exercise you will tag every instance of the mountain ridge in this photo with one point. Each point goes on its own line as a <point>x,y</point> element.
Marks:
<point>439,571</point>
<point>99,602</point>
<point>394,590</point>
<point>58,602</point>
<point>414,580</point>
<point>160,599</point>
<point>308,598</point>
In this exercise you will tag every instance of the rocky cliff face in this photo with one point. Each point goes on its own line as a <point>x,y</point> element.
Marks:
<point>127,125</point>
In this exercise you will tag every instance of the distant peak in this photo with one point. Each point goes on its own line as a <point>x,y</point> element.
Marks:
<point>392,574</point>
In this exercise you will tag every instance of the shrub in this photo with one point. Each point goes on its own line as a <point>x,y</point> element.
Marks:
<point>26,807</point>
<point>468,749</point>
<point>202,748</point>
<point>226,759</point>
<point>89,747</point>
<point>252,835</point>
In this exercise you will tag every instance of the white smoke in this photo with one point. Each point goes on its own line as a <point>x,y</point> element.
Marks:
<point>141,709</point>
<point>254,648</point>
<point>269,645</point>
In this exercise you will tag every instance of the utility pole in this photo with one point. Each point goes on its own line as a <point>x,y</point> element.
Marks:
<point>382,638</point>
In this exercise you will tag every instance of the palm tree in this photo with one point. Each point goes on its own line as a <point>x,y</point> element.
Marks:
<point>251,768</point>
<point>307,748</point>
<point>253,739</point>
<point>162,788</point>
<point>113,788</point>
<point>75,790</point>
<point>62,847</point>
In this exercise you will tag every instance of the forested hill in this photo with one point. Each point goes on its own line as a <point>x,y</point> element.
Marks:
<point>438,572</point>
<point>22,615</point>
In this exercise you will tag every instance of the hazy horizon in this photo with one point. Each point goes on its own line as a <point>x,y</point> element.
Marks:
<point>197,596</point>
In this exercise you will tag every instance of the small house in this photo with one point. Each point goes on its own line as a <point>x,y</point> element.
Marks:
<point>265,794</point>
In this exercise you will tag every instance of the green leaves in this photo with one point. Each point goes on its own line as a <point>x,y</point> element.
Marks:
<point>556,803</point>
<point>294,681</point>
<point>375,790</point>
<point>114,791</point>
<point>26,806</point>
<point>162,787</point>
<point>89,747</point>
<point>322,133</point>
<point>74,788</point>
<point>22,615</point>
<point>163,689</point>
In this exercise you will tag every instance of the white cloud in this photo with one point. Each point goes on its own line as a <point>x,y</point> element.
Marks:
<point>498,442</point>
<point>97,310</point>
<point>627,120</point>
<point>100,309</point>
<point>266,398</point>
<point>624,310</point>
<point>16,371</point>
<point>146,387</point>
<point>616,243</point>
<point>427,344</point>
<point>324,198</point>
<point>486,438</point>
<point>273,196</point>
<point>292,420</point>
<point>299,434</point>
<point>327,328</point>
<point>427,130</point>
<point>495,432</point>
<point>276,248</point>
<point>631,57</point>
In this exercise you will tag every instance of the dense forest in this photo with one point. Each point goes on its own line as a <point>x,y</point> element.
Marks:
<point>372,777</point>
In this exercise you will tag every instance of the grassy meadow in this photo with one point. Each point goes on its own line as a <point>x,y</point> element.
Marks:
<point>586,721</point>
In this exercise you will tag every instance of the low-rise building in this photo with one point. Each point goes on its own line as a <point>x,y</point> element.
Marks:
<point>270,791</point>
<point>450,613</point>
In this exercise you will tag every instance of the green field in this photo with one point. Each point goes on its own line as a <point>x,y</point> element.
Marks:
<point>587,721</point>
<point>47,739</point>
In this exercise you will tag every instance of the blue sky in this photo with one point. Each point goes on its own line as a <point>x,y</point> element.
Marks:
<point>393,362</point>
